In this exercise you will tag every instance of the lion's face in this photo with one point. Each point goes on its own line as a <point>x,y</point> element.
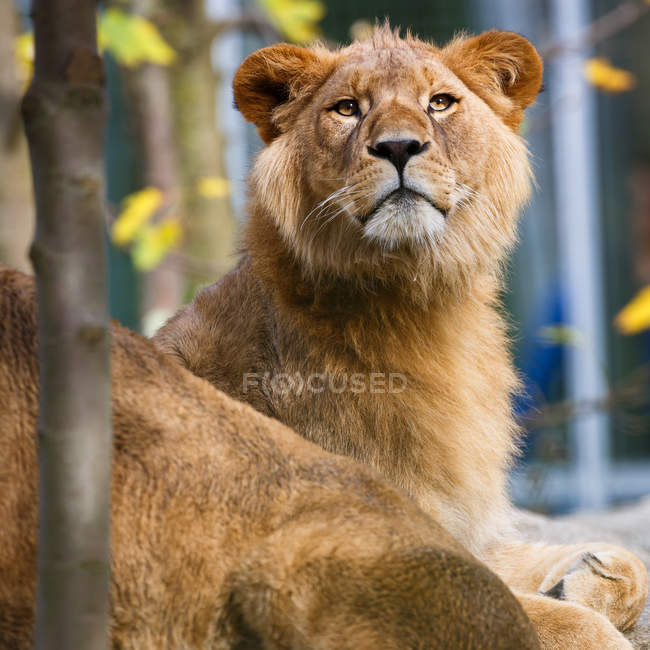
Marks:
<point>381,158</point>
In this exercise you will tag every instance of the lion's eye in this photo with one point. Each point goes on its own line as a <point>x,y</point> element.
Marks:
<point>347,107</point>
<point>441,102</point>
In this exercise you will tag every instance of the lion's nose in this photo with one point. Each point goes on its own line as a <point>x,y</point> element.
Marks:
<point>397,151</point>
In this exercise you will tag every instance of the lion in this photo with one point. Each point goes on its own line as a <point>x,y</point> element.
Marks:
<point>364,312</point>
<point>231,531</point>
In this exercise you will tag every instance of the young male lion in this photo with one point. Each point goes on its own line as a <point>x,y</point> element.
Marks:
<point>229,531</point>
<point>364,312</point>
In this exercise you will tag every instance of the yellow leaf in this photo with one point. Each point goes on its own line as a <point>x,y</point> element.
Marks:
<point>153,47</point>
<point>132,39</point>
<point>635,316</point>
<point>604,76</point>
<point>297,20</point>
<point>561,334</point>
<point>24,55</point>
<point>213,187</point>
<point>137,210</point>
<point>154,242</point>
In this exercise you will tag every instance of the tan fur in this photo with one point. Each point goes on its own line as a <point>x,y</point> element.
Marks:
<point>353,266</point>
<point>230,531</point>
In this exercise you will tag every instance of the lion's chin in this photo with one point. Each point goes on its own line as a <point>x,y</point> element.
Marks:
<point>403,220</point>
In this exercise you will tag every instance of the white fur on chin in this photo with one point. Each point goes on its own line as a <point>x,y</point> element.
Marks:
<point>402,220</point>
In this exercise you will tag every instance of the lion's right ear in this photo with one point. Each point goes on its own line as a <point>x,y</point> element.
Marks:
<point>274,76</point>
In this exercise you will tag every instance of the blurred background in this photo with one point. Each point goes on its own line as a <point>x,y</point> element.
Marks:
<point>578,294</point>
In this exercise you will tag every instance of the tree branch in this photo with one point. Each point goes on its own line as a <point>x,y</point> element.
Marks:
<point>629,393</point>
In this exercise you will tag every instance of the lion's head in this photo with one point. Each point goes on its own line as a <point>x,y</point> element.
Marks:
<point>392,156</point>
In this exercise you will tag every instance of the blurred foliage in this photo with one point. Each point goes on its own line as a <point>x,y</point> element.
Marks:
<point>154,241</point>
<point>361,29</point>
<point>296,20</point>
<point>635,316</point>
<point>213,187</point>
<point>561,334</point>
<point>601,74</point>
<point>132,39</point>
<point>24,53</point>
<point>149,242</point>
<point>524,127</point>
<point>137,209</point>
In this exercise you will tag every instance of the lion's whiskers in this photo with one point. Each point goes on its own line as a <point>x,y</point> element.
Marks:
<point>331,215</point>
<point>324,208</point>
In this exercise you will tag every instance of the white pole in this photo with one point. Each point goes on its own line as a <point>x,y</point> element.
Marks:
<point>573,126</point>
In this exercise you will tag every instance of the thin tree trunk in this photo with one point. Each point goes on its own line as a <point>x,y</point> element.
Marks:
<point>150,104</point>
<point>64,113</point>
<point>211,227</point>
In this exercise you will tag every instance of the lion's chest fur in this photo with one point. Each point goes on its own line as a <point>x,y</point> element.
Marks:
<point>425,400</point>
<point>434,418</point>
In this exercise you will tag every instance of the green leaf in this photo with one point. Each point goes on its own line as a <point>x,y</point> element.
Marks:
<point>132,39</point>
<point>297,20</point>
<point>213,187</point>
<point>560,334</point>
<point>154,242</point>
<point>24,55</point>
<point>137,209</point>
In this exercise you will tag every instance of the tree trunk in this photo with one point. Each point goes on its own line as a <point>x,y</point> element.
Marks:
<point>64,114</point>
<point>150,105</point>
<point>174,117</point>
<point>210,226</point>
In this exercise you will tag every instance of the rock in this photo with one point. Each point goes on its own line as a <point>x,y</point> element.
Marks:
<point>627,526</point>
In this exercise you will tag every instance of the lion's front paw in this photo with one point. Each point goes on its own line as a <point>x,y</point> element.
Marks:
<point>605,578</point>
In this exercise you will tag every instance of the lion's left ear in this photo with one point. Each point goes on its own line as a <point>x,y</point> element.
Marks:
<point>273,76</point>
<point>503,68</point>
